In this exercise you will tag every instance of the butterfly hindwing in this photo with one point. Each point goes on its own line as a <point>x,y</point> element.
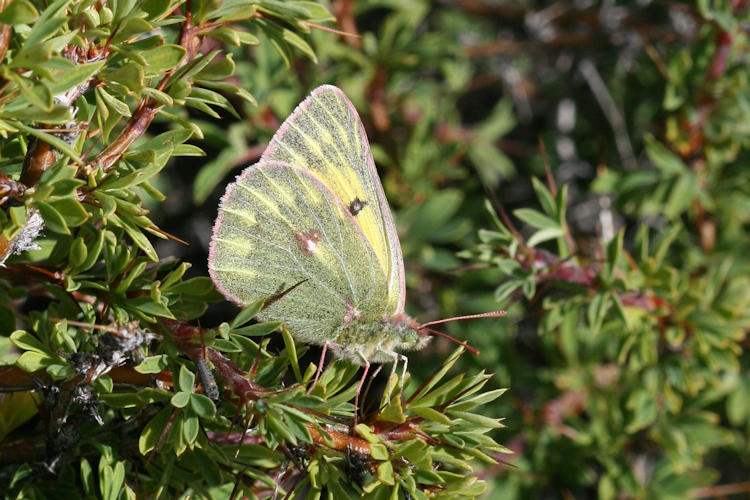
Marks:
<point>325,136</point>
<point>279,225</point>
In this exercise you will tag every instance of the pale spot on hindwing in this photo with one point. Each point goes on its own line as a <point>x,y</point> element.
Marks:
<point>356,206</point>
<point>307,241</point>
<point>351,314</point>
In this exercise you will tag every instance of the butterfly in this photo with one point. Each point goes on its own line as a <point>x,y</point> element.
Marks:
<point>310,219</point>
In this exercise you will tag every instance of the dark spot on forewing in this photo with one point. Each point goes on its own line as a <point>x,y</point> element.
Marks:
<point>356,206</point>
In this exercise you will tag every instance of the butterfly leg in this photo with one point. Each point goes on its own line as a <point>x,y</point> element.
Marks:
<point>395,357</point>
<point>369,384</point>
<point>359,387</point>
<point>405,360</point>
<point>326,345</point>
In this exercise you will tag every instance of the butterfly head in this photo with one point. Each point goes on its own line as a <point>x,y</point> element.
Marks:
<point>408,332</point>
<point>413,340</point>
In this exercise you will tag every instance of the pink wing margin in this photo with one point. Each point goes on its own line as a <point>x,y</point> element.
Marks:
<point>214,233</point>
<point>397,259</point>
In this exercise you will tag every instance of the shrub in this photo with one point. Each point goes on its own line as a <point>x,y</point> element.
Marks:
<point>581,166</point>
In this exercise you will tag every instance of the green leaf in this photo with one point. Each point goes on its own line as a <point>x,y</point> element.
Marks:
<point>157,95</point>
<point>26,341</point>
<point>163,58</point>
<point>153,430</point>
<point>188,150</point>
<point>71,210</point>
<point>664,159</point>
<point>492,164</point>
<point>153,364</point>
<point>31,361</point>
<point>436,377</point>
<point>285,9</point>
<point>292,353</point>
<point>643,407</point>
<point>431,414</point>
<point>506,289</point>
<point>52,218</point>
<point>138,238</point>
<point>218,69</point>
<point>229,11</point>
<point>545,198</point>
<point>190,427</point>
<point>543,235</point>
<point>248,313</point>
<point>78,253</point>
<point>38,94</point>
<point>115,105</point>
<point>385,473</point>
<point>148,306</point>
<point>186,380</point>
<point>117,479</point>
<point>87,476</point>
<point>536,219</point>
<point>103,384</point>
<point>157,9</point>
<point>131,27</point>
<point>50,139</point>
<point>614,255</point>
<point>202,405</point>
<point>43,29</point>
<point>122,8</point>
<point>19,12</point>
<point>66,80</point>
<point>94,249</point>
<point>162,143</point>
<point>316,13</point>
<point>499,123</point>
<point>259,329</point>
<point>280,428</point>
<point>479,420</point>
<point>56,115</point>
<point>180,399</point>
<point>682,195</point>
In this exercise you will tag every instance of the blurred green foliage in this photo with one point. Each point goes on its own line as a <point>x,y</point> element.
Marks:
<point>578,163</point>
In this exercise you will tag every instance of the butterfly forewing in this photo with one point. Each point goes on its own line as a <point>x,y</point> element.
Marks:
<point>279,225</point>
<point>325,136</point>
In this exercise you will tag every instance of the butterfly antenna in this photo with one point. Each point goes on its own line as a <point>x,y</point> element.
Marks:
<point>493,314</point>
<point>475,352</point>
<point>424,326</point>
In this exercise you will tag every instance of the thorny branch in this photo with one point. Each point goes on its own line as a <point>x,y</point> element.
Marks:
<point>187,338</point>
<point>552,268</point>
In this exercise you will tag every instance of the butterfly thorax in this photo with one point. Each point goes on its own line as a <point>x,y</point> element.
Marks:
<point>377,340</point>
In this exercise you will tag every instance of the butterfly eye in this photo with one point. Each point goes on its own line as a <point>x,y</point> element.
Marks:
<point>356,206</point>
<point>410,337</point>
